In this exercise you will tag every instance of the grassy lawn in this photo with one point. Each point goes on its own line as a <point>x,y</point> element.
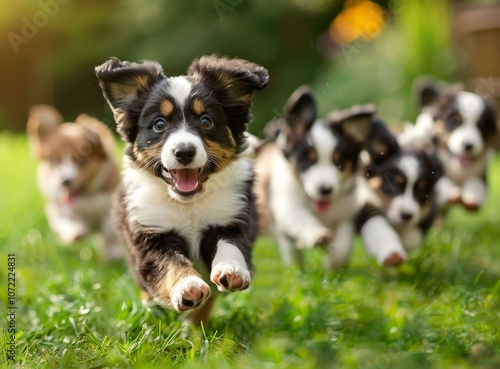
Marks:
<point>440,310</point>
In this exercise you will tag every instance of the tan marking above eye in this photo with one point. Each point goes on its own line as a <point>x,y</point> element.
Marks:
<point>312,154</point>
<point>166,108</point>
<point>421,185</point>
<point>399,179</point>
<point>375,182</point>
<point>336,157</point>
<point>198,107</point>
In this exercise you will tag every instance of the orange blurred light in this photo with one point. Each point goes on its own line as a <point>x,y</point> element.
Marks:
<point>360,19</point>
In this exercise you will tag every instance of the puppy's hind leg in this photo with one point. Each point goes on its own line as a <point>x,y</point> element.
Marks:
<point>339,250</point>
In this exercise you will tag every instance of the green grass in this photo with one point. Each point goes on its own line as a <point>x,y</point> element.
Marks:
<point>440,310</point>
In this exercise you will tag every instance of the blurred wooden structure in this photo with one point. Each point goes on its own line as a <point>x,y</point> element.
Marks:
<point>476,26</point>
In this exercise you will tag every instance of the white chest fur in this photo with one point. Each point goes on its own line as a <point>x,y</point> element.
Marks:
<point>149,206</point>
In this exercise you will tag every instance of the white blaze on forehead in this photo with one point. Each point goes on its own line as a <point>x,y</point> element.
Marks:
<point>470,107</point>
<point>323,173</point>
<point>179,88</point>
<point>323,141</point>
<point>410,167</point>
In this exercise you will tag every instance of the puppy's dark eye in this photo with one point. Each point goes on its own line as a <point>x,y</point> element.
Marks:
<point>159,125</point>
<point>206,122</point>
<point>54,160</point>
<point>453,121</point>
<point>81,161</point>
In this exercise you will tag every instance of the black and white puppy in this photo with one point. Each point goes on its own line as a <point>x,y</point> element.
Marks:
<point>185,207</point>
<point>463,126</point>
<point>398,197</point>
<point>306,178</point>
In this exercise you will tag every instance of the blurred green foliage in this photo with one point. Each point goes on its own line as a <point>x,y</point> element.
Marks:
<point>290,38</point>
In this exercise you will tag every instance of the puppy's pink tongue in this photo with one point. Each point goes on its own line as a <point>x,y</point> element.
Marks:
<point>322,206</point>
<point>187,179</point>
<point>465,161</point>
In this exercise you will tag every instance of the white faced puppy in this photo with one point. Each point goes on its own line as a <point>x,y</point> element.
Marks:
<point>306,183</point>
<point>185,206</point>
<point>464,128</point>
<point>399,202</point>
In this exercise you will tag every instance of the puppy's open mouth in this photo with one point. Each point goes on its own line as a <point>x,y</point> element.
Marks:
<point>322,206</point>
<point>465,160</point>
<point>184,181</point>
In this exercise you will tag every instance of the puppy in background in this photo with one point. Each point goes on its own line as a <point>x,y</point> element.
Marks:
<point>463,127</point>
<point>185,207</point>
<point>77,175</point>
<point>306,178</point>
<point>398,197</point>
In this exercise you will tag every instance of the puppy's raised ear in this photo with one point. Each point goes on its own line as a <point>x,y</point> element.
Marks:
<point>234,78</point>
<point>354,122</point>
<point>381,144</point>
<point>100,134</point>
<point>427,91</point>
<point>43,120</point>
<point>124,86</point>
<point>233,82</point>
<point>434,165</point>
<point>300,113</point>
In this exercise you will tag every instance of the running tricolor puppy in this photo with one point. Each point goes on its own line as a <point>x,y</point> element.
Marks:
<point>306,183</point>
<point>185,207</point>
<point>398,197</point>
<point>463,126</point>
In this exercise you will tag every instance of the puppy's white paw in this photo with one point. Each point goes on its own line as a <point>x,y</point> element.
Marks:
<point>394,258</point>
<point>316,237</point>
<point>471,201</point>
<point>189,293</point>
<point>72,234</point>
<point>230,276</point>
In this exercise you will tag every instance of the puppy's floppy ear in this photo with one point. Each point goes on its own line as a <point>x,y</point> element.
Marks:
<point>434,164</point>
<point>99,133</point>
<point>381,143</point>
<point>123,81</point>
<point>233,82</point>
<point>123,84</point>
<point>354,122</point>
<point>427,91</point>
<point>300,113</point>
<point>43,120</point>
<point>234,78</point>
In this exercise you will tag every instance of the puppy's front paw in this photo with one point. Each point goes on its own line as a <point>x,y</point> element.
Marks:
<point>72,234</point>
<point>230,277</point>
<point>471,201</point>
<point>318,237</point>
<point>394,259</point>
<point>189,293</point>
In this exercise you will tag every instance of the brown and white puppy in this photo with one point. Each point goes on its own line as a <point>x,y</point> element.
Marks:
<point>77,174</point>
<point>463,127</point>
<point>398,196</point>
<point>186,207</point>
<point>306,182</point>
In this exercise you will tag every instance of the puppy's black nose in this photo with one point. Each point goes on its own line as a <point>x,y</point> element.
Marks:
<point>468,146</point>
<point>66,182</point>
<point>325,190</point>
<point>406,215</point>
<point>185,154</point>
